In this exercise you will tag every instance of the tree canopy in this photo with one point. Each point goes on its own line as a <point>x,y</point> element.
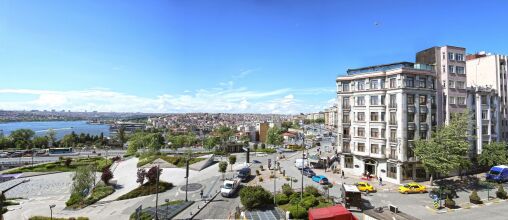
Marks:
<point>493,154</point>
<point>274,136</point>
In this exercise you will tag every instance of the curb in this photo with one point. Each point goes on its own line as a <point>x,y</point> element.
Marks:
<point>206,203</point>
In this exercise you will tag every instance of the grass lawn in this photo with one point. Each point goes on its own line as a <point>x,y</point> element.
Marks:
<point>146,189</point>
<point>178,161</point>
<point>266,150</point>
<point>99,192</point>
<point>60,165</point>
<point>48,218</point>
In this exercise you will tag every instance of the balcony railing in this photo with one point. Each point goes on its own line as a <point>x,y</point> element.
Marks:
<point>392,105</point>
<point>393,122</point>
<point>393,139</point>
<point>346,106</point>
<point>393,156</point>
<point>346,150</point>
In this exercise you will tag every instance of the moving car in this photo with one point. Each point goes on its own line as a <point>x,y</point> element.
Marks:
<point>229,188</point>
<point>301,163</point>
<point>244,174</point>
<point>320,179</point>
<point>364,186</point>
<point>497,173</point>
<point>308,172</point>
<point>412,188</point>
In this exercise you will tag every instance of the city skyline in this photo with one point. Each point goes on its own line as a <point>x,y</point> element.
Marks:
<point>220,56</point>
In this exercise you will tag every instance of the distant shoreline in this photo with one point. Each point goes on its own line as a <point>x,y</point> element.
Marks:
<point>40,120</point>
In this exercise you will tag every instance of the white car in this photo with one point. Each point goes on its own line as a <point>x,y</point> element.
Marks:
<point>229,187</point>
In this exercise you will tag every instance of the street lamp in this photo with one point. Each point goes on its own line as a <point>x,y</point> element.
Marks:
<point>167,206</point>
<point>157,195</point>
<point>51,211</point>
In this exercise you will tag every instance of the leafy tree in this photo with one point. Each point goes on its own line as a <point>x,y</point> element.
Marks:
<point>141,174</point>
<point>447,149</point>
<point>286,125</point>
<point>286,189</point>
<point>319,121</point>
<point>106,175</point>
<point>40,142</point>
<point>255,146</point>
<point>152,174</point>
<point>253,197</point>
<point>232,160</point>
<point>312,191</point>
<point>22,138</point>
<point>142,140</point>
<point>493,154</point>
<point>274,136</point>
<point>223,165</point>
<point>51,134</point>
<point>121,136</point>
<point>5,143</point>
<point>83,180</point>
<point>69,140</point>
<point>3,209</point>
<point>211,141</point>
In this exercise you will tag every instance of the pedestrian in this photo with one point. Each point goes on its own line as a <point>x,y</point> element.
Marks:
<point>380,181</point>
<point>342,176</point>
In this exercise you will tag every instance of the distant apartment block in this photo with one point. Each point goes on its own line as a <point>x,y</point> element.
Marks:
<point>381,111</point>
<point>483,105</point>
<point>262,129</point>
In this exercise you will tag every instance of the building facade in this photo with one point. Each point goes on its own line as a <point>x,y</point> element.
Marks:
<point>381,111</point>
<point>450,66</point>
<point>484,128</point>
<point>489,70</point>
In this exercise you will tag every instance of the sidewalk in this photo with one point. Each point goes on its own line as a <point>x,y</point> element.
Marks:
<point>351,179</point>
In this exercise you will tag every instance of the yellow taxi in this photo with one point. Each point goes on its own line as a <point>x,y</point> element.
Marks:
<point>364,186</point>
<point>412,188</point>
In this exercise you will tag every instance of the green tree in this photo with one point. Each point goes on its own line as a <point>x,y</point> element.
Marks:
<point>51,134</point>
<point>141,140</point>
<point>211,141</point>
<point>274,136</point>
<point>22,138</point>
<point>68,140</point>
<point>253,197</point>
<point>319,121</point>
<point>121,136</point>
<point>40,142</point>
<point>5,143</point>
<point>223,165</point>
<point>447,149</point>
<point>84,178</point>
<point>493,154</point>
<point>232,160</point>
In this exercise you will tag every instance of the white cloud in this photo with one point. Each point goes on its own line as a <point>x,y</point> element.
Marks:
<point>222,99</point>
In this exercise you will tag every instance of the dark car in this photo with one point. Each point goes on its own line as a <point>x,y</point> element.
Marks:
<point>256,161</point>
<point>308,172</point>
<point>445,192</point>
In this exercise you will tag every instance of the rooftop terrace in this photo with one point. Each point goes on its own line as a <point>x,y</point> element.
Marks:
<point>390,66</point>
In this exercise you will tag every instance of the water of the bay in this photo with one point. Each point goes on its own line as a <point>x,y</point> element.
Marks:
<point>60,127</point>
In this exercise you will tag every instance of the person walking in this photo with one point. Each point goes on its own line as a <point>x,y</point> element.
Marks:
<point>342,176</point>
<point>380,181</point>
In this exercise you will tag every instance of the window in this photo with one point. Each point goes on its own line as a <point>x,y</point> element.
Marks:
<point>345,87</point>
<point>410,82</point>
<point>393,135</point>
<point>345,118</point>
<point>374,116</point>
<point>374,84</point>
<point>432,83</point>
<point>423,117</point>
<point>460,70</point>
<point>410,117</point>
<point>393,83</point>
<point>345,132</point>
<point>461,100</point>
<point>452,100</point>
<point>383,133</point>
<point>393,101</point>
<point>484,114</point>
<point>360,132</point>
<point>374,148</point>
<point>348,160</point>
<point>484,100</point>
<point>382,83</point>
<point>410,135</point>
<point>433,100</point>
<point>382,100</point>
<point>423,82</point>
<point>423,100</point>
<point>382,116</point>
<point>460,85</point>
<point>459,57</point>
<point>451,69</point>
<point>444,69</point>
<point>361,85</point>
<point>360,100</point>
<point>444,55</point>
<point>485,129</point>
<point>391,169</point>
<point>374,132</point>
<point>360,116</point>
<point>423,134</point>
<point>451,84</point>
<point>450,56</point>
<point>393,118</point>
<point>410,99</point>
<point>361,147</point>
<point>374,100</point>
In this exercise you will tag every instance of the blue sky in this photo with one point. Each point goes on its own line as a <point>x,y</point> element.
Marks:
<point>218,56</point>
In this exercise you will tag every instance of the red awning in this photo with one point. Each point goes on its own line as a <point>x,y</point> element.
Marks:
<point>337,212</point>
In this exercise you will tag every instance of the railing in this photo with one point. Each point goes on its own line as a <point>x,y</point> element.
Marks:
<point>392,139</point>
<point>346,106</point>
<point>346,150</point>
<point>393,156</point>
<point>393,122</point>
<point>392,105</point>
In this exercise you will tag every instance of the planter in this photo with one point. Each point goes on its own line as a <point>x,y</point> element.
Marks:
<point>477,202</point>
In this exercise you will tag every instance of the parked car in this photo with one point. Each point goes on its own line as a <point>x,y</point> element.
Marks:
<point>301,163</point>
<point>445,192</point>
<point>256,161</point>
<point>320,179</point>
<point>308,172</point>
<point>497,173</point>
<point>412,188</point>
<point>244,174</point>
<point>364,186</point>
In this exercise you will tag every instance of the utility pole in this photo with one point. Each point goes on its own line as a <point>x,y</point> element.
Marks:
<point>157,195</point>
<point>186,178</point>
<point>274,179</point>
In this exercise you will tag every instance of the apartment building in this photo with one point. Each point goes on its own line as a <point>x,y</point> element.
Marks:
<point>381,111</point>
<point>331,117</point>
<point>483,105</point>
<point>489,70</point>
<point>450,66</point>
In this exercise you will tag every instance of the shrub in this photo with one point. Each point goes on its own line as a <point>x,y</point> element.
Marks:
<point>116,158</point>
<point>272,176</point>
<point>449,202</point>
<point>68,162</point>
<point>474,198</point>
<point>260,179</point>
<point>255,146</point>
<point>261,167</point>
<point>107,175</point>
<point>263,146</point>
<point>253,197</point>
<point>287,190</point>
<point>501,193</point>
<point>50,166</point>
<point>258,173</point>
<point>294,198</point>
<point>141,176</point>
<point>309,202</point>
<point>287,178</point>
<point>146,189</point>
<point>281,199</point>
<point>297,212</point>
<point>223,165</point>
<point>74,199</point>
<point>312,191</point>
<point>153,173</point>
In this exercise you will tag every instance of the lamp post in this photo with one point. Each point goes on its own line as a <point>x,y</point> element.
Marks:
<point>157,195</point>
<point>51,211</point>
<point>274,179</point>
<point>167,206</point>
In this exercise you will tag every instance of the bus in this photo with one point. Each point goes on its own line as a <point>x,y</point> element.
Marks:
<point>62,151</point>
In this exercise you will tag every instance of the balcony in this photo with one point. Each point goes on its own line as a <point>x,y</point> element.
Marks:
<point>411,126</point>
<point>346,150</point>
<point>379,155</point>
<point>393,157</point>
<point>423,109</point>
<point>392,122</point>
<point>410,108</point>
<point>392,105</point>
<point>424,127</point>
<point>346,107</point>
<point>393,139</point>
